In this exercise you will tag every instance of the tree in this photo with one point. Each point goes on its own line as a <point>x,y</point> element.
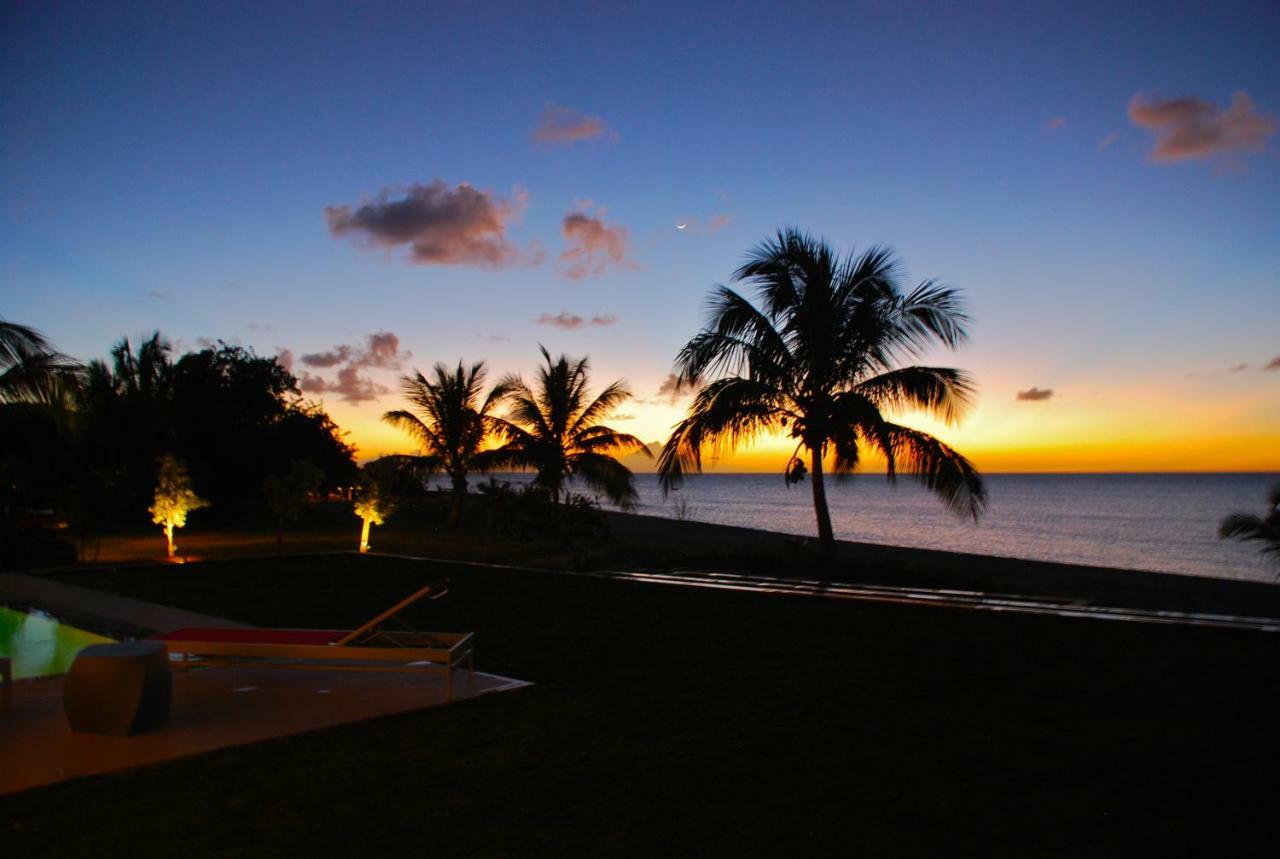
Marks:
<point>818,358</point>
<point>174,498</point>
<point>32,371</point>
<point>373,506</point>
<point>555,429</point>
<point>451,420</point>
<point>287,496</point>
<point>240,418</point>
<point>1262,529</point>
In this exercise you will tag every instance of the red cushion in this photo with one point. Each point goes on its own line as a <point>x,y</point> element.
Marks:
<point>241,635</point>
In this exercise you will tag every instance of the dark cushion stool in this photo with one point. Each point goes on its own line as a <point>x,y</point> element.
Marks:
<point>118,689</point>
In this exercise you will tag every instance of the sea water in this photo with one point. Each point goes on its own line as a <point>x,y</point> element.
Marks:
<point>1159,522</point>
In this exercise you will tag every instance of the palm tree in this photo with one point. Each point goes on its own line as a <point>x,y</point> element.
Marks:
<point>451,423</point>
<point>554,428</point>
<point>818,358</point>
<point>1264,529</point>
<point>32,371</point>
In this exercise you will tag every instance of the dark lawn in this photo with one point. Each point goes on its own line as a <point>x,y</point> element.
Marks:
<point>673,720</point>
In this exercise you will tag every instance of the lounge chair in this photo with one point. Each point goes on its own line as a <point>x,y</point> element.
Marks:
<point>366,648</point>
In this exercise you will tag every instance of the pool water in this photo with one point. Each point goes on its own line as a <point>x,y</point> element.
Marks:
<point>38,644</point>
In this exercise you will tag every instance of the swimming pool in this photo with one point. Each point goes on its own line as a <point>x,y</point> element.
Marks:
<point>38,643</point>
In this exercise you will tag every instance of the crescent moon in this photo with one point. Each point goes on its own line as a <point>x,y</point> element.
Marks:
<point>681,226</point>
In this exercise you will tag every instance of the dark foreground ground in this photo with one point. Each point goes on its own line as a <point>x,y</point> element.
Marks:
<point>673,721</point>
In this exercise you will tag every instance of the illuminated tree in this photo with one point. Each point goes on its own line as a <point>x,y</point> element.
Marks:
<point>555,429</point>
<point>817,357</point>
<point>373,506</point>
<point>174,498</point>
<point>287,496</point>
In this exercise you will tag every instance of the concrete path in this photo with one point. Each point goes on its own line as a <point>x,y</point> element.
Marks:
<point>55,596</point>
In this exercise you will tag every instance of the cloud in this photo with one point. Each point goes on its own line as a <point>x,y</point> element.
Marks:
<point>155,293</point>
<point>1034,394</point>
<point>437,224</point>
<point>285,357</point>
<point>593,245</point>
<point>623,417</point>
<point>1056,123</point>
<point>564,125</point>
<point>1189,128</point>
<point>1273,364</point>
<point>572,321</point>
<point>564,319</point>
<point>335,356</point>
<point>670,390</point>
<point>1107,142</point>
<point>380,351</point>
<point>350,385</point>
<point>1237,368</point>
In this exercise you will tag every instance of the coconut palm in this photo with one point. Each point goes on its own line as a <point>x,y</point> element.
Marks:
<point>1263,529</point>
<point>554,427</point>
<point>451,422</point>
<point>818,358</point>
<point>32,371</point>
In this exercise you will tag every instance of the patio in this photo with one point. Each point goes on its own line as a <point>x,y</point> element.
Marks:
<point>213,708</point>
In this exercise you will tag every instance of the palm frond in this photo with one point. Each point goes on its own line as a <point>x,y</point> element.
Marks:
<point>942,392</point>
<point>939,468</point>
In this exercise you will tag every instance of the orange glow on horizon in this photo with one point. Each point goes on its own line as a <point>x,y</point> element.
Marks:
<point>1181,426</point>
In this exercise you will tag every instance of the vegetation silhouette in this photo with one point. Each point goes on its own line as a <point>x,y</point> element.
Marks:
<point>450,421</point>
<point>554,427</point>
<point>1263,529</point>
<point>287,495</point>
<point>32,371</point>
<point>818,357</point>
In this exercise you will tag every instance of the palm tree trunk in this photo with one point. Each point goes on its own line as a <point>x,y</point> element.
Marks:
<point>826,537</point>
<point>459,498</point>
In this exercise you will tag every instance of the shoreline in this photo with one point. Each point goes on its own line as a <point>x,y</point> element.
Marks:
<point>879,564</point>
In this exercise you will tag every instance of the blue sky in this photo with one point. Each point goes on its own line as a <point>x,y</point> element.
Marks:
<point>169,166</point>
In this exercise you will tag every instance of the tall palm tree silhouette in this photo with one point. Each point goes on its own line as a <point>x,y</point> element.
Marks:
<point>451,422</point>
<point>818,358</point>
<point>554,427</point>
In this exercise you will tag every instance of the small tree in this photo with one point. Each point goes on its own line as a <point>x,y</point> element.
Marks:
<point>287,496</point>
<point>373,506</point>
<point>174,498</point>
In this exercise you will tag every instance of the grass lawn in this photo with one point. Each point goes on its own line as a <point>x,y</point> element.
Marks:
<point>676,721</point>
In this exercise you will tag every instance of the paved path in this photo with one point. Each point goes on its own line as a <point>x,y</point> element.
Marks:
<point>48,594</point>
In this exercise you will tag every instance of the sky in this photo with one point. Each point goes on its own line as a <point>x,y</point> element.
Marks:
<point>367,189</point>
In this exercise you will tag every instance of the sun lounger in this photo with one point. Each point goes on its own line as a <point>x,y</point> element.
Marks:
<point>369,647</point>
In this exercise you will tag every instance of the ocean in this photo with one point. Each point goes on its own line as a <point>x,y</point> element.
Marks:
<point>1160,522</point>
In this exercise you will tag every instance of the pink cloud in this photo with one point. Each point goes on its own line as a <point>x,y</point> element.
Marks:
<point>564,319</point>
<point>1034,394</point>
<point>593,245</point>
<point>1107,142</point>
<point>1189,128</point>
<point>1273,364</point>
<point>572,321</point>
<point>1056,123</point>
<point>438,225</point>
<point>380,350</point>
<point>564,125</point>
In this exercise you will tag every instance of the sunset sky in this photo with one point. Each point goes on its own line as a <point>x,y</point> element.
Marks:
<point>369,190</point>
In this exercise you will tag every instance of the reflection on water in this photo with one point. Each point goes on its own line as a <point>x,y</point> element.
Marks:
<point>38,644</point>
